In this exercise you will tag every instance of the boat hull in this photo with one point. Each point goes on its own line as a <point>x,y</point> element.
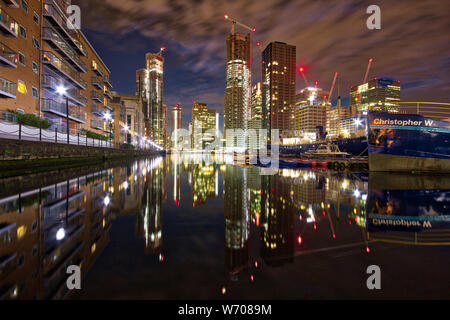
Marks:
<point>403,142</point>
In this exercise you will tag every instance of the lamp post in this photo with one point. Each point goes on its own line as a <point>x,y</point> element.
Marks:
<point>62,91</point>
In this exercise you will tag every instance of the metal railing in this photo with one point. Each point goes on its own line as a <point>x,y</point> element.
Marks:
<point>97,110</point>
<point>98,70</point>
<point>96,82</point>
<point>96,96</point>
<point>8,54</point>
<point>51,34</point>
<point>9,22</point>
<point>51,9</point>
<point>10,129</point>
<point>439,110</point>
<point>8,87</point>
<point>69,71</point>
<point>107,81</point>
<point>73,94</point>
<point>60,108</point>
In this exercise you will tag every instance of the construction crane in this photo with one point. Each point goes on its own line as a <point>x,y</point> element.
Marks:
<point>235,22</point>
<point>161,51</point>
<point>302,72</point>
<point>368,69</point>
<point>332,87</point>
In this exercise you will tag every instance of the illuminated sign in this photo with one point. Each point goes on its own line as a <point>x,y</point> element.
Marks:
<point>21,87</point>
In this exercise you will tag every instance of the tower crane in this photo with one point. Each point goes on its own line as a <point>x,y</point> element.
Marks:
<point>332,87</point>
<point>367,70</point>
<point>302,72</point>
<point>161,51</point>
<point>235,22</point>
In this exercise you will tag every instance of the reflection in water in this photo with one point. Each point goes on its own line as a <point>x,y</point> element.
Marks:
<point>43,231</point>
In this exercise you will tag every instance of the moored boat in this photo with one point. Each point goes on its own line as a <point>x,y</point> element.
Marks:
<point>408,142</point>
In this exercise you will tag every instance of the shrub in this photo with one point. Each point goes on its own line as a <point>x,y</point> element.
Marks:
<point>94,135</point>
<point>32,121</point>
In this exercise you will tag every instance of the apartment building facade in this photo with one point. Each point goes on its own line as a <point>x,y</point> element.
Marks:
<point>48,67</point>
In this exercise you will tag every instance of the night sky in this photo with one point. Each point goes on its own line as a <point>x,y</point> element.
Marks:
<point>412,46</point>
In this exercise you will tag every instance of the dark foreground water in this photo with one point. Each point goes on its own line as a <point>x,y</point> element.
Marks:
<point>181,227</point>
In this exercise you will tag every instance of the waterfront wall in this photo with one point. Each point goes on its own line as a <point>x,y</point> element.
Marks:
<point>13,150</point>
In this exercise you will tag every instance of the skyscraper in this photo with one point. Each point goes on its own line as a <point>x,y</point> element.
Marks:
<point>376,94</point>
<point>149,87</point>
<point>238,87</point>
<point>256,117</point>
<point>279,76</point>
<point>203,120</point>
<point>177,124</point>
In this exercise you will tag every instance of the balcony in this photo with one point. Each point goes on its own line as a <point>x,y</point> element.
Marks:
<point>108,94</point>
<point>75,97</point>
<point>8,57</point>
<point>7,88</point>
<point>59,109</point>
<point>64,69</point>
<point>64,49</point>
<point>107,81</point>
<point>11,3</point>
<point>97,110</point>
<point>59,20</point>
<point>96,124</point>
<point>97,70</point>
<point>96,83</point>
<point>8,26</point>
<point>107,106</point>
<point>96,96</point>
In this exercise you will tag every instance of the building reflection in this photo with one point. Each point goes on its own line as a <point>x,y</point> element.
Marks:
<point>237,220</point>
<point>277,242</point>
<point>149,218</point>
<point>43,231</point>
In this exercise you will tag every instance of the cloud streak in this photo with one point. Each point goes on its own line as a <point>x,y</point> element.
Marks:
<point>412,46</point>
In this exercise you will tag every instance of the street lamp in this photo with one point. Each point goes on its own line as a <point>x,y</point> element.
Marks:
<point>62,91</point>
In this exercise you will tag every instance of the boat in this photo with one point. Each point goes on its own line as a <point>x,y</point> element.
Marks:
<point>408,143</point>
<point>355,146</point>
<point>328,150</point>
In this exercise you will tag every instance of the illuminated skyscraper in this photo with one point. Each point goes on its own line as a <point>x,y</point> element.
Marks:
<point>256,117</point>
<point>149,87</point>
<point>177,124</point>
<point>238,87</point>
<point>279,76</point>
<point>203,120</point>
<point>310,110</point>
<point>376,94</point>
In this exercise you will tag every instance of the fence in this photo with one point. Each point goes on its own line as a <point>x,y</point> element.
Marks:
<point>16,131</point>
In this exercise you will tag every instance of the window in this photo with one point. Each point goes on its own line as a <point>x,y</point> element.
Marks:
<point>23,31</point>
<point>34,92</point>
<point>36,18</point>
<point>35,67</point>
<point>21,111</point>
<point>25,6</point>
<point>22,59</point>
<point>36,43</point>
